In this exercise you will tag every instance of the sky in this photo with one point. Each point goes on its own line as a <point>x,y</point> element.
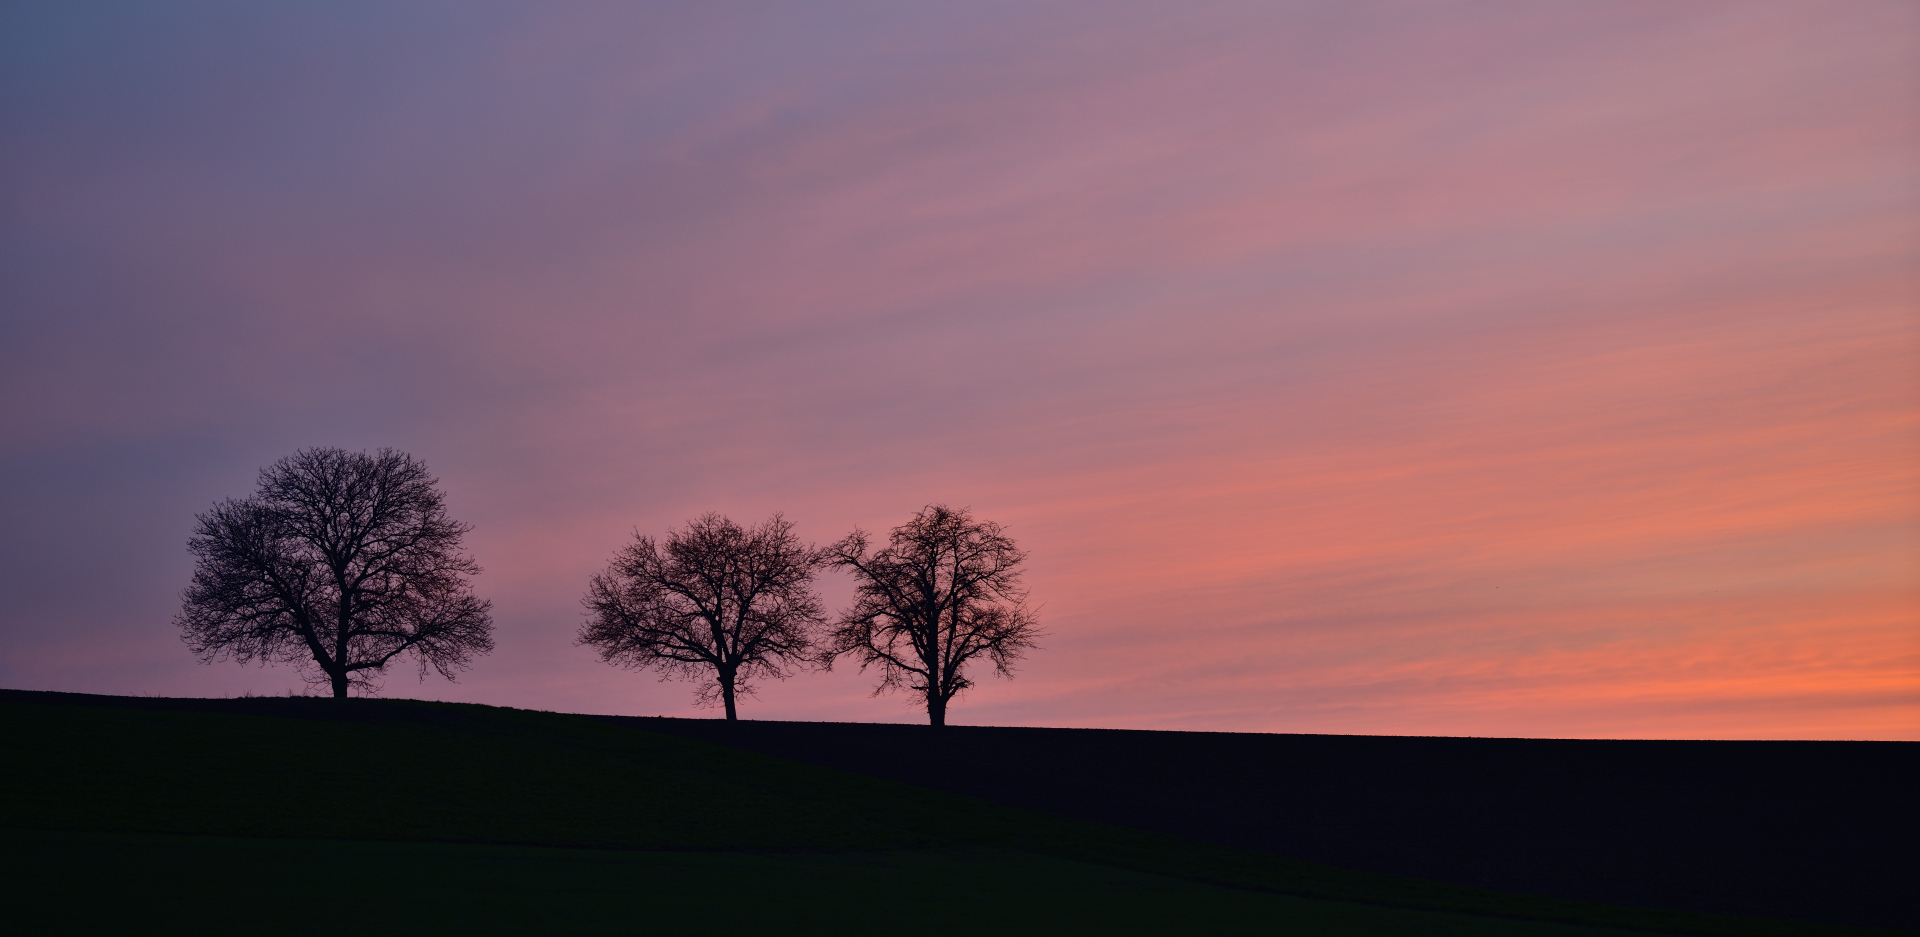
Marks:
<point>1425,368</point>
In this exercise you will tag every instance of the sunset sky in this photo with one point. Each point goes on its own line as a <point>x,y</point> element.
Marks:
<point>1417,368</point>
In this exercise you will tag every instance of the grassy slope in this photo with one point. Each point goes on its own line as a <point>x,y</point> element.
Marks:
<point>400,771</point>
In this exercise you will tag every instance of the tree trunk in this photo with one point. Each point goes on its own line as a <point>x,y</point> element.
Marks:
<point>726,695</point>
<point>936,709</point>
<point>339,684</point>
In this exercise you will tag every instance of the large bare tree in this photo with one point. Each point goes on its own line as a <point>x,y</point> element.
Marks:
<point>945,591</point>
<point>340,563</point>
<point>716,602</point>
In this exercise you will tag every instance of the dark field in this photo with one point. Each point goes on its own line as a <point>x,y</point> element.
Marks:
<point>161,885</point>
<point>230,815</point>
<point>1817,831</point>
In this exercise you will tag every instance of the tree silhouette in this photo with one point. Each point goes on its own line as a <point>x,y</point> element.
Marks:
<point>943,592</point>
<point>715,602</point>
<point>339,564</point>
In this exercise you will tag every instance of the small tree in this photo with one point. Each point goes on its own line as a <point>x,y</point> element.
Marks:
<point>716,602</point>
<point>944,592</point>
<point>339,564</point>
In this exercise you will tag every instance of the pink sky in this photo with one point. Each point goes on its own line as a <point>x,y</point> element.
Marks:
<point>1429,368</point>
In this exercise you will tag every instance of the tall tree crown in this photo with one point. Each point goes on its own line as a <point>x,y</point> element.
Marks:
<point>340,563</point>
<point>945,590</point>
<point>718,603</point>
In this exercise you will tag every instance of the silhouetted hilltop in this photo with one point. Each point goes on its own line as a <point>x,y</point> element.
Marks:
<point>1500,830</point>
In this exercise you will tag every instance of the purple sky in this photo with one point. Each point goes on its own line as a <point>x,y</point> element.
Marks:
<point>1438,368</point>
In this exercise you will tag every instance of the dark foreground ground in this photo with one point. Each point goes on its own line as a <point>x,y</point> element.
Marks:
<point>59,883</point>
<point>117,812</point>
<point>303,815</point>
<point>1815,831</point>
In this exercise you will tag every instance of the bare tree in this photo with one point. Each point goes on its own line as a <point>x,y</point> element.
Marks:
<point>342,562</point>
<point>716,602</point>
<point>943,592</point>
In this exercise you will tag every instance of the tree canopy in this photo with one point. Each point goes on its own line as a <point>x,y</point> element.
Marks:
<point>717,603</point>
<point>341,563</point>
<point>945,591</point>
